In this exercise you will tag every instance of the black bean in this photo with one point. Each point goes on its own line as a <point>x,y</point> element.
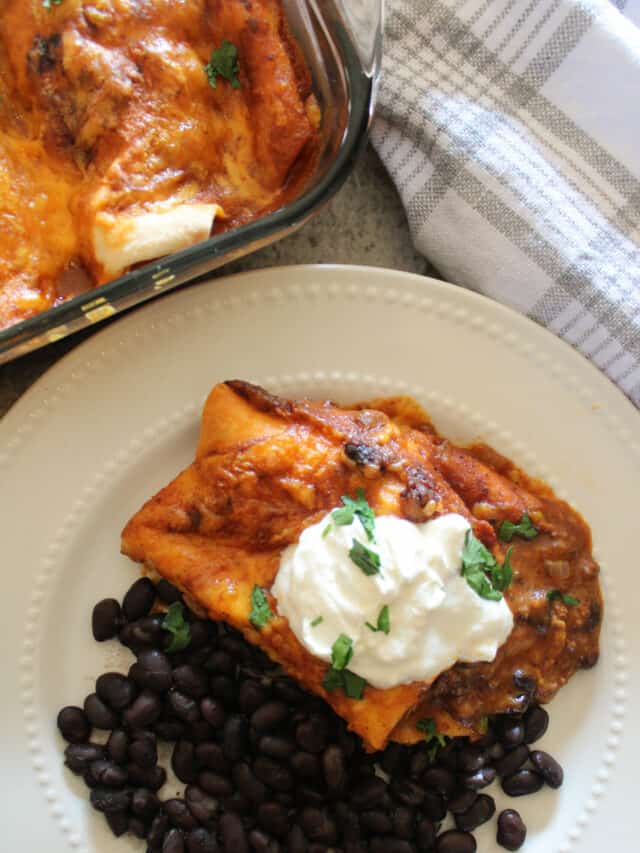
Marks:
<point>191,680</point>
<point>390,845</point>
<point>334,769</point>
<point>269,716</point>
<point>395,759</point>
<point>439,779</point>
<point>434,806</point>
<point>512,761</point>
<point>511,732</point>
<point>347,821</point>
<point>408,792</point>
<point>274,818</point>
<point>261,843</point>
<point>179,813</point>
<point>106,619</point>
<point>356,847</point>
<point>521,783</point>
<point>238,804</point>
<point>107,800</point>
<point>169,730</point>
<point>105,774</point>
<point>184,707</point>
<point>462,801</point>
<point>221,663</point>
<point>480,779</point>
<point>305,765</point>
<point>78,756</point>
<point>536,722</point>
<point>223,687</point>
<point>425,834</point>
<point>311,734</point>
<point>99,714</point>
<point>152,670</point>
<point>198,634</point>
<point>548,768</point>
<point>480,812</point>
<point>448,755</point>
<point>495,752</point>
<point>234,837</point>
<point>213,712</point>
<point>471,758</point>
<point>273,774</point>
<point>173,842</point>
<point>200,840</point>
<point>139,599</point>
<point>210,754</point>
<point>511,830</point>
<point>147,777</point>
<point>157,829</point>
<point>251,696</point>
<point>118,822</point>
<point>118,746</point>
<point>167,592</point>
<point>454,841</point>
<point>368,793</point>
<point>276,746</point>
<point>318,825</point>
<point>308,796</point>
<point>137,827</point>
<point>234,737</point>
<point>288,691</point>
<point>403,822</point>
<point>144,633</point>
<point>74,724</point>
<point>145,804</point>
<point>144,711</point>
<point>200,731</point>
<point>116,690</point>
<point>248,783</point>
<point>198,657</point>
<point>202,805</point>
<point>418,763</point>
<point>296,842</point>
<point>376,822</point>
<point>143,751</point>
<point>215,784</point>
<point>184,762</point>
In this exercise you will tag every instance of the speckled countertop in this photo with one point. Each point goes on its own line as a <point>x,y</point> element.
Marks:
<point>363,224</point>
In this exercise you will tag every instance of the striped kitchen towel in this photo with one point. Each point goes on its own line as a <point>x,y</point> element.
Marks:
<point>512,131</point>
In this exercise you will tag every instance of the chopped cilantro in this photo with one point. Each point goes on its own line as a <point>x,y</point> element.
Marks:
<point>47,4</point>
<point>341,652</point>
<point>344,679</point>
<point>358,507</point>
<point>316,621</point>
<point>431,736</point>
<point>175,623</point>
<point>569,600</point>
<point>326,531</point>
<point>524,528</point>
<point>260,611</point>
<point>364,558</point>
<point>484,575</point>
<point>383,624</point>
<point>223,63</point>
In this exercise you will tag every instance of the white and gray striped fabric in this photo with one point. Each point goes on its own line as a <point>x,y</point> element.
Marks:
<point>512,131</point>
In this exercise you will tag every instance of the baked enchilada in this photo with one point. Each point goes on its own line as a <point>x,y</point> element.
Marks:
<point>280,528</point>
<point>130,129</point>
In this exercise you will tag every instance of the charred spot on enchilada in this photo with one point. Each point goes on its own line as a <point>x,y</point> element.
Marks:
<point>267,469</point>
<point>110,123</point>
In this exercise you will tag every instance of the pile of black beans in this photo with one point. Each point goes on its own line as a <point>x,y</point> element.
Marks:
<point>268,767</point>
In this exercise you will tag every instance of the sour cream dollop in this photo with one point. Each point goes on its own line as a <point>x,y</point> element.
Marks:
<point>435,617</point>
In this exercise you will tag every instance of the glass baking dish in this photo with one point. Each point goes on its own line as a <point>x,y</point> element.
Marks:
<point>341,40</point>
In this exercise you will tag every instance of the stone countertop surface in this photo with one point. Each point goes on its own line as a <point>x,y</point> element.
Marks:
<point>363,224</point>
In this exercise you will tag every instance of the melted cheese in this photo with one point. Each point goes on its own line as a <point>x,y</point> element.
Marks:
<point>125,139</point>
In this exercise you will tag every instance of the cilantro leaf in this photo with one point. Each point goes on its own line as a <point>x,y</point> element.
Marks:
<point>483,573</point>
<point>524,528</point>
<point>341,652</point>
<point>428,727</point>
<point>569,600</point>
<point>343,679</point>
<point>47,4</point>
<point>383,624</point>
<point>358,507</point>
<point>317,621</point>
<point>223,63</point>
<point>175,623</point>
<point>364,558</point>
<point>326,531</point>
<point>261,612</point>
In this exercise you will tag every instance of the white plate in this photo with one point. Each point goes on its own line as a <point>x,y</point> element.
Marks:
<point>118,417</point>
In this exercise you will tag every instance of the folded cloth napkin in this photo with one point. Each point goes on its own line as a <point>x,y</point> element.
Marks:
<point>512,131</point>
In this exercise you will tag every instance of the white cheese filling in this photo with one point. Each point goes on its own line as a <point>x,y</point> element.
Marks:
<point>435,618</point>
